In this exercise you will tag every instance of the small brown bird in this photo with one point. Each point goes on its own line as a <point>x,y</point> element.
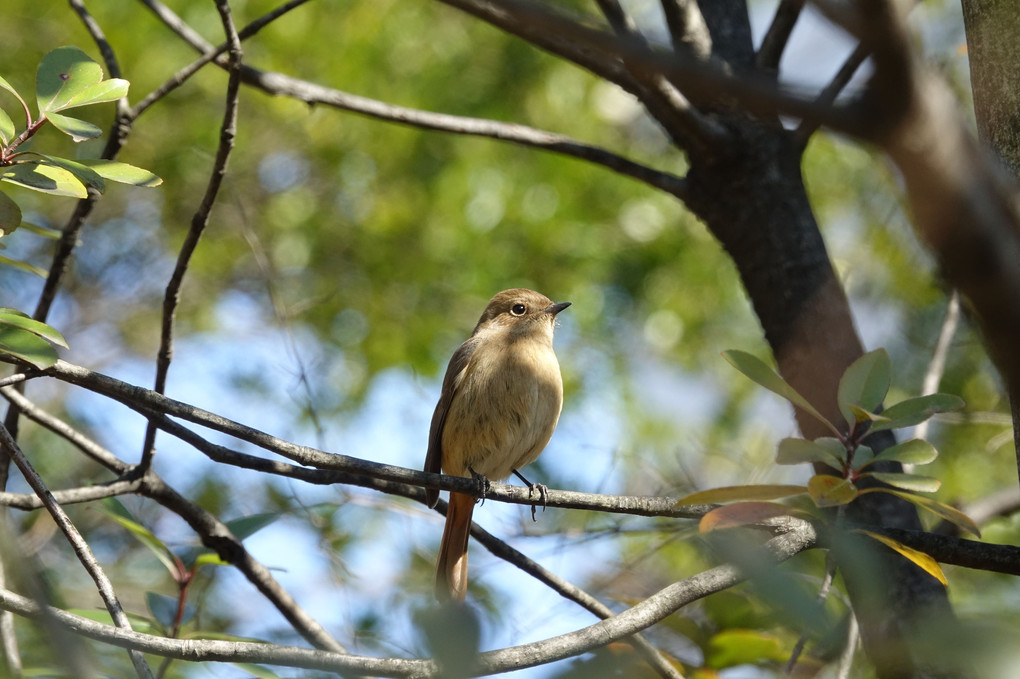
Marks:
<point>500,402</point>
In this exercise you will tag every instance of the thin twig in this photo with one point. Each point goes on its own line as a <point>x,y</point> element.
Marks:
<point>78,543</point>
<point>809,125</point>
<point>937,365</point>
<point>172,297</point>
<point>778,35</point>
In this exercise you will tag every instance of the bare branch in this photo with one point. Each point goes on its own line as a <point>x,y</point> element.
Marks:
<point>228,130</point>
<point>827,96</point>
<point>687,28</point>
<point>70,496</point>
<point>937,364</point>
<point>198,650</point>
<point>81,547</point>
<point>641,616</point>
<point>774,42</point>
<point>61,428</point>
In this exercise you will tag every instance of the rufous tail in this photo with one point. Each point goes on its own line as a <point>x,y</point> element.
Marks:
<point>451,568</point>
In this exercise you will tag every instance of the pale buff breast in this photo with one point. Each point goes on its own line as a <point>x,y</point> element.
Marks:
<point>506,406</point>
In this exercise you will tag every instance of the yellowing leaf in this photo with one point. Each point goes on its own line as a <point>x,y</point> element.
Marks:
<point>831,491</point>
<point>744,514</point>
<point>944,511</point>
<point>922,560</point>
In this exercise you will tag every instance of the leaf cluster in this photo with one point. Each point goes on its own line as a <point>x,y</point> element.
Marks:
<point>862,390</point>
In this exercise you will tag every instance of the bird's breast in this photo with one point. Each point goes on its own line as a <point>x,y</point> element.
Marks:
<point>505,409</point>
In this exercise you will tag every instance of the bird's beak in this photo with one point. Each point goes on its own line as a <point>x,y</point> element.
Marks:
<point>554,309</point>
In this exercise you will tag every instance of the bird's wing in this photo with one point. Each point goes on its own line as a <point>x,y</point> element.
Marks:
<point>454,375</point>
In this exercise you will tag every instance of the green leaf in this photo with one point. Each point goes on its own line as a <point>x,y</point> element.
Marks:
<point>164,609</point>
<point>916,410</point>
<point>7,129</point>
<point>914,482</point>
<point>733,647</point>
<point>863,455</point>
<point>864,384</point>
<point>122,172</point>
<point>10,214</point>
<point>27,346</point>
<point>10,88</point>
<point>23,266</point>
<point>107,90</point>
<point>800,451</point>
<point>733,493</point>
<point>43,231</point>
<point>249,525</point>
<point>146,537</point>
<point>21,320</point>
<point>757,371</point>
<point>914,451</point>
<point>924,561</point>
<point>84,173</point>
<point>64,74</point>
<point>944,511</point>
<point>831,491</point>
<point>78,130</point>
<point>45,178</point>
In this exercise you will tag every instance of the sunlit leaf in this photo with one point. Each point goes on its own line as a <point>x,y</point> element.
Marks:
<point>7,128</point>
<point>79,130</point>
<point>733,647</point>
<point>922,560</point>
<point>85,174</point>
<point>864,384</point>
<point>914,451</point>
<point>800,451</point>
<point>45,178</point>
<point>830,491</point>
<point>757,371</point>
<point>734,493</point>
<point>63,74</point>
<point>10,88</point>
<point>21,320</point>
<point>745,513</point>
<point>944,511</point>
<point>27,346</point>
<point>916,410</point>
<point>122,172</point>
<point>10,214</point>
<point>914,482</point>
<point>111,89</point>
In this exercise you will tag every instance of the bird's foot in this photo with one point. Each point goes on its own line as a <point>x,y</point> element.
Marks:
<point>540,488</point>
<point>482,482</point>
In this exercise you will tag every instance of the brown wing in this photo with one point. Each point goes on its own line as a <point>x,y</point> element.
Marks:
<point>434,457</point>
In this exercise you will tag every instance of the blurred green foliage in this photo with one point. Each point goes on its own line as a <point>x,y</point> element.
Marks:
<point>374,246</point>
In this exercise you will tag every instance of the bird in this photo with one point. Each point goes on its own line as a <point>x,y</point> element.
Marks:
<point>500,401</point>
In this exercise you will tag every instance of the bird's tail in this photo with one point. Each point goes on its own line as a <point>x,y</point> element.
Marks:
<point>451,568</point>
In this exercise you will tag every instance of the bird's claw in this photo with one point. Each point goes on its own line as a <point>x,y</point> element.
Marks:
<point>543,496</point>
<point>483,483</point>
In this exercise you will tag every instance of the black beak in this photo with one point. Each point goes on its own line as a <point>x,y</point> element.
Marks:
<point>554,309</point>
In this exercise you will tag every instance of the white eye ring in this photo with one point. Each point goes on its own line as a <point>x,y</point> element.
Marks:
<point>518,310</point>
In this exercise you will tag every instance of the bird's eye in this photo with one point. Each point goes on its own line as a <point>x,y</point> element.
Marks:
<point>518,309</point>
